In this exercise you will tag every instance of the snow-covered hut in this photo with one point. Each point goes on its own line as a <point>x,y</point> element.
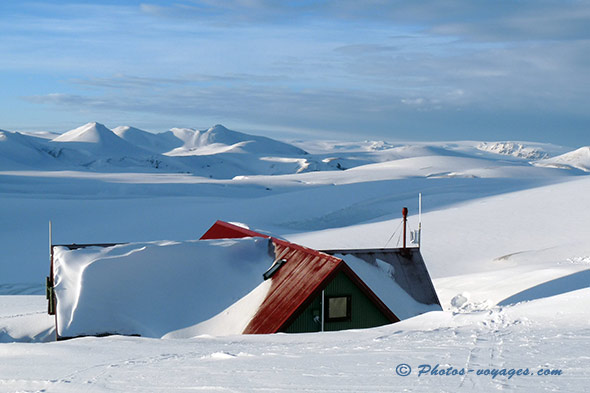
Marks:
<point>231,281</point>
<point>344,289</point>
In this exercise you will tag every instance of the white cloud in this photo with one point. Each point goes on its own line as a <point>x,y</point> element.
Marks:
<point>419,101</point>
<point>336,63</point>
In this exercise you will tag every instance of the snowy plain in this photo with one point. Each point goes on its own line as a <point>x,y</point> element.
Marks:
<point>505,238</point>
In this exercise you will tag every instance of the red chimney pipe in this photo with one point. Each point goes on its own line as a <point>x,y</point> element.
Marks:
<point>405,214</point>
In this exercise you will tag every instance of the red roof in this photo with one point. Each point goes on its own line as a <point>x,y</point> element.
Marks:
<point>296,283</point>
<point>225,230</point>
<point>292,285</point>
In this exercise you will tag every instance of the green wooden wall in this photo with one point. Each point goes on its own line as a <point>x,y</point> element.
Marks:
<point>364,314</point>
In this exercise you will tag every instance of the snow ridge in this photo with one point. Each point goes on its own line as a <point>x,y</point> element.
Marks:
<point>222,140</point>
<point>513,149</point>
<point>221,153</point>
<point>91,132</point>
<point>577,159</point>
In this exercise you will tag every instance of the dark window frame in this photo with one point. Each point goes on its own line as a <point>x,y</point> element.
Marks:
<point>348,316</point>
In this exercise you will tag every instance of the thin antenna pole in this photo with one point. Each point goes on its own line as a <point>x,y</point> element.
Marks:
<point>419,219</point>
<point>405,218</point>
<point>50,238</point>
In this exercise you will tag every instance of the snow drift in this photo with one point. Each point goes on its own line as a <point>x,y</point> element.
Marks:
<point>152,289</point>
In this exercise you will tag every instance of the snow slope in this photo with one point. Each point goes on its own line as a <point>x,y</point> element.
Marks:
<point>18,151</point>
<point>220,139</point>
<point>96,147</point>
<point>530,337</point>
<point>24,319</point>
<point>157,143</point>
<point>506,243</point>
<point>577,159</point>
<point>215,153</point>
<point>140,202</point>
<point>92,133</point>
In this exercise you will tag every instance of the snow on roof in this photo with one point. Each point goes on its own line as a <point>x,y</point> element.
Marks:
<point>381,279</point>
<point>155,288</point>
<point>414,294</point>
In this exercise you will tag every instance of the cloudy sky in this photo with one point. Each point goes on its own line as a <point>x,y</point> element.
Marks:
<point>348,69</point>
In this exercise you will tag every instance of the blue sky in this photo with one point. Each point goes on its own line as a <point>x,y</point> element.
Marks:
<point>348,69</point>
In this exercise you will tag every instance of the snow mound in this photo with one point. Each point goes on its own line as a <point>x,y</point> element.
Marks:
<point>513,149</point>
<point>569,283</point>
<point>160,287</point>
<point>460,300</point>
<point>577,159</point>
<point>233,320</point>
<point>25,319</point>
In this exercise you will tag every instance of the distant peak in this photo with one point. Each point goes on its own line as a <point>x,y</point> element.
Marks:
<point>94,124</point>
<point>582,151</point>
<point>89,132</point>
<point>124,129</point>
<point>218,127</point>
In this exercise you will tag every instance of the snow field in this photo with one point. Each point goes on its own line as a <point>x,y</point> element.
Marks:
<point>505,238</point>
<point>522,336</point>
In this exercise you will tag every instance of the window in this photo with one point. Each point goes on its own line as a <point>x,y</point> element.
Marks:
<point>338,308</point>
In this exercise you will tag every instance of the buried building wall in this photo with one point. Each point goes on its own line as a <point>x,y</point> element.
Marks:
<point>362,312</point>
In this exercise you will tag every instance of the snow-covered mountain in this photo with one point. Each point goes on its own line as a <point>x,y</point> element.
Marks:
<point>219,139</point>
<point>216,152</point>
<point>19,151</point>
<point>156,143</point>
<point>220,153</point>
<point>215,140</point>
<point>577,159</point>
<point>93,134</point>
<point>96,147</point>
<point>515,149</point>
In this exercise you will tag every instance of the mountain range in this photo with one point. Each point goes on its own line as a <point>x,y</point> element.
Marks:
<point>221,153</point>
